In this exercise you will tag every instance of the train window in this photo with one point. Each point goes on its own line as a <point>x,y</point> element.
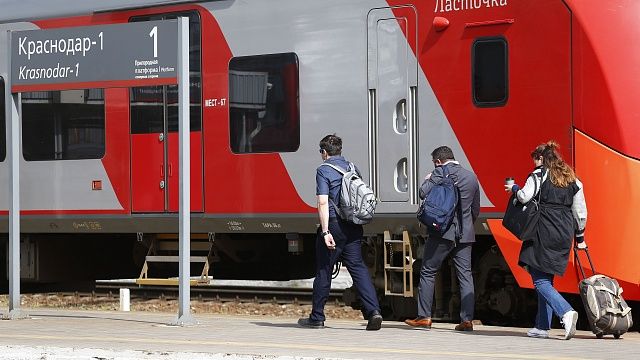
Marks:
<point>63,125</point>
<point>490,72</point>
<point>150,104</point>
<point>3,124</point>
<point>264,107</point>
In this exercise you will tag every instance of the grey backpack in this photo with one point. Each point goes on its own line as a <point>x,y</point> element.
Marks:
<point>357,200</point>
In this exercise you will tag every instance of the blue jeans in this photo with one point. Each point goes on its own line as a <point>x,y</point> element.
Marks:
<point>549,299</point>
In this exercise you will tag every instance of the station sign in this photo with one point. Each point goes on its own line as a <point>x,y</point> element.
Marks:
<point>100,56</point>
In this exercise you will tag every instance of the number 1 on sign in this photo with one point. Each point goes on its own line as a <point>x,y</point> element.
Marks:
<point>154,35</point>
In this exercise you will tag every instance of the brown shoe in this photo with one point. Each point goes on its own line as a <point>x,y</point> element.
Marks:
<point>419,322</point>
<point>464,326</point>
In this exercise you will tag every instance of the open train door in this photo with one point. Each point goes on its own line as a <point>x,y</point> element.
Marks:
<point>154,135</point>
<point>392,83</point>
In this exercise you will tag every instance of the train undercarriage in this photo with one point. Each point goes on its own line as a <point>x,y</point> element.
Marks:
<point>64,261</point>
<point>72,262</point>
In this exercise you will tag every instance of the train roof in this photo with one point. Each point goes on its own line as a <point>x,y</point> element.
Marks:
<point>28,10</point>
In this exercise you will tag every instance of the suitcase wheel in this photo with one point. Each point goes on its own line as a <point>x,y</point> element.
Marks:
<point>616,335</point>
<point>600,335</point>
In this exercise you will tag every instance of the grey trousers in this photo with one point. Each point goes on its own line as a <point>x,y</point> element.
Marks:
<point>435,251</point>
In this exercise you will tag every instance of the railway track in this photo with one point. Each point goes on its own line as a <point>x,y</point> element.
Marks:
<point>223,293</point>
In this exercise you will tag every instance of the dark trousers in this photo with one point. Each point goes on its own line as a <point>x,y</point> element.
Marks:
<point>348,238</point>
<point>435,251</point>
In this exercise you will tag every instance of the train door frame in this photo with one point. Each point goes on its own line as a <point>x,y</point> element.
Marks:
<point>154,144</point>
<point>393,114</point>
<point>3,121</point>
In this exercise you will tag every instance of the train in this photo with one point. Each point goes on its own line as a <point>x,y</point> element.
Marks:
<point>268,79</point>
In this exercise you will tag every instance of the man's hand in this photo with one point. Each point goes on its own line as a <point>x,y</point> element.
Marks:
<point>508,188</point>
<point>328,240</point>
<point>582,245</point>
<point>428,176</point>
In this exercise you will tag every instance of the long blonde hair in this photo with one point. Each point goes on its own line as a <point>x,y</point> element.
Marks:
<point>560,173</point>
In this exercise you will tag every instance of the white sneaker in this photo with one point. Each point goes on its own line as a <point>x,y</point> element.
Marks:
<point>569,320</point>
<point>538,333</point>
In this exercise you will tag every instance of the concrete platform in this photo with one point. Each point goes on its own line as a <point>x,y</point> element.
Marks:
<point>58,334</point>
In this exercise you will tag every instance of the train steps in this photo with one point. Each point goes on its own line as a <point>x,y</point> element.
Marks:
<point>398,265</point>
<point>163,248</point>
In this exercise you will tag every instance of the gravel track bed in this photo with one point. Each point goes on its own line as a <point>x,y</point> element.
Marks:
<point>198,306</point>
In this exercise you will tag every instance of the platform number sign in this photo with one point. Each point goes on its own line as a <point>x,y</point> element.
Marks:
<point>154,35</point>
<point>81,57</point>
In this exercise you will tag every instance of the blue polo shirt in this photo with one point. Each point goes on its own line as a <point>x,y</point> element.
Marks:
<point>329,181</point>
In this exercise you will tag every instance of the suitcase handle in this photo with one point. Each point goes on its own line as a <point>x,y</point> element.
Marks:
<point>577,257</point>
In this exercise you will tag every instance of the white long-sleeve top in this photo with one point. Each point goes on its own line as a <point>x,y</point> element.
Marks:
<point>532,187</point>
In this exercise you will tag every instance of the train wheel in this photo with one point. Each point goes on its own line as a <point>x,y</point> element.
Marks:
<point>500,301</point>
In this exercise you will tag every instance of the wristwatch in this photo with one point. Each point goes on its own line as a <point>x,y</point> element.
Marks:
<point>325,233</point>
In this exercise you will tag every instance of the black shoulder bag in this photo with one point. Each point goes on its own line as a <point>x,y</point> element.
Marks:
<point>521,219</point>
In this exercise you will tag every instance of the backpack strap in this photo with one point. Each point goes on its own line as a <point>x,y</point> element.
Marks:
<point>543,177</point>
<point>537,190</point>
<point>337,168</point>
<point>342,172</point>
<point>445,171</point>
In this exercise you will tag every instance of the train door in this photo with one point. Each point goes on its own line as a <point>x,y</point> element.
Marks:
<point>392,83</point>
<point>154,136</point>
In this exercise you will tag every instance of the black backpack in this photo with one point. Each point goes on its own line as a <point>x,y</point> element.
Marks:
<point>439,206</point>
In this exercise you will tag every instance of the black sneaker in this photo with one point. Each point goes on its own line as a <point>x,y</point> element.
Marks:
<point>375,321</point>
<point>312,324</point>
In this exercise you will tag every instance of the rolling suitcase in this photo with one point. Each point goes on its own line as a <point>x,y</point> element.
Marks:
<point>607,312</point>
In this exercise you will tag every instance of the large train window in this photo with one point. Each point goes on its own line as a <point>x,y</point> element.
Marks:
<point>150,104</point>
<point>63,125</point>
<point>490,72</point>
<point>264,111</point>
<point>3,124</point>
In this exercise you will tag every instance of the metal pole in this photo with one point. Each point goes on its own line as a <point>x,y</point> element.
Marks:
<point>184,290</point>
<point>13,142</point>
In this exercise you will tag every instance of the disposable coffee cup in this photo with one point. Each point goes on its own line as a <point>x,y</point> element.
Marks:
<point>509,181</point>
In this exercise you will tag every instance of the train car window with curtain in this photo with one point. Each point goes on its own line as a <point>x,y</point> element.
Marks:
<point>490,72</point>
<point>264,111</point>
<point>3,124</point>
<point>63,125</point>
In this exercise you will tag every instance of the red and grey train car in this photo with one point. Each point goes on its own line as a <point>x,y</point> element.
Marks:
<point>395,79</point>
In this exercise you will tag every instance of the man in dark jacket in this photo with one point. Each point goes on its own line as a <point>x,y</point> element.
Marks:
<point>439,246</point>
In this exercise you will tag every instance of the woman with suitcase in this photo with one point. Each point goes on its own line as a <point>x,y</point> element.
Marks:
<point>562,215</point>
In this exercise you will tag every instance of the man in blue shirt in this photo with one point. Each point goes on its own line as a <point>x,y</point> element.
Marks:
<point>338,239</point>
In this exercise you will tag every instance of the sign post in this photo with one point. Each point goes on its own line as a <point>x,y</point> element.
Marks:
<point>184,248</point>
<point>101,56</point>
<point>13,150</point>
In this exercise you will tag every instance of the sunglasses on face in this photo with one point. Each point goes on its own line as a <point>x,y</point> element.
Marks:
<point>321,151</point>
